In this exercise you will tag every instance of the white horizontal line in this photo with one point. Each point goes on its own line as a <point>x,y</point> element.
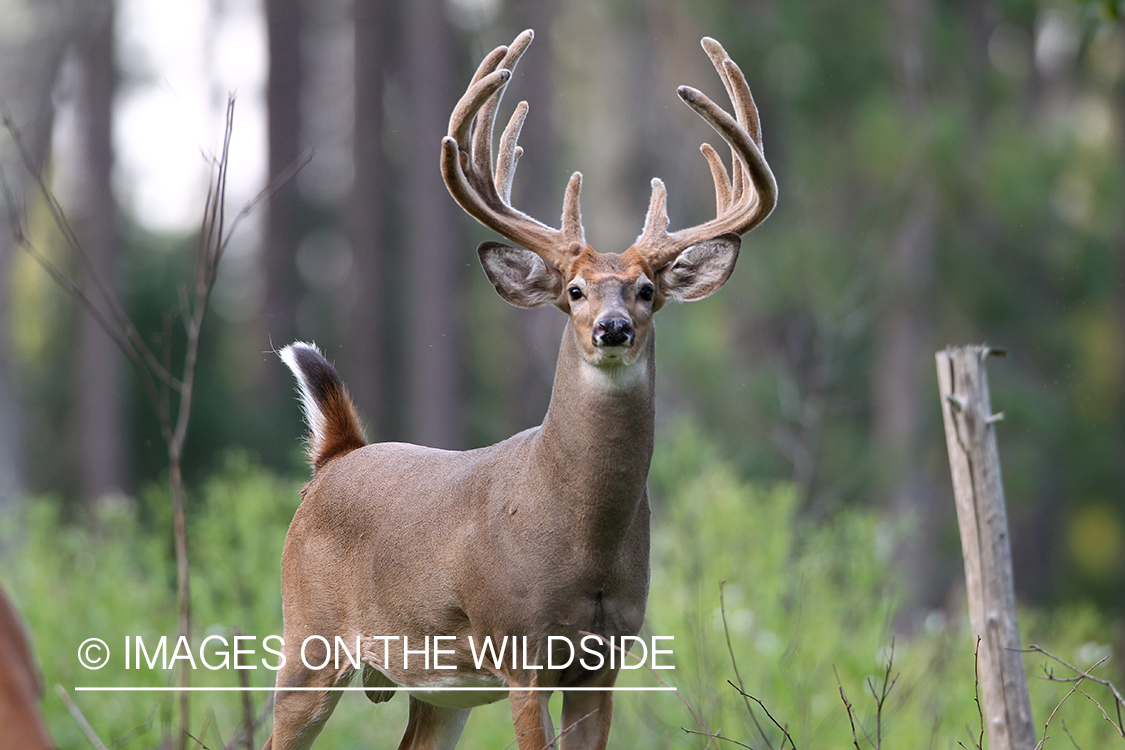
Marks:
<point>353,688</point>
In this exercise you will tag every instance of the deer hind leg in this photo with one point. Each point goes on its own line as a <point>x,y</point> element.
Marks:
<point>433,727</point>
<point>534,730</point>
<point>298,716</point>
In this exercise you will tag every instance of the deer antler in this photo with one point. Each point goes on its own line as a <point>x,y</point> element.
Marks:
<point>466,163</point>
<point>742,200</point>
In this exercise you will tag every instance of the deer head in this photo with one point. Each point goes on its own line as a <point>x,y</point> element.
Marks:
<point>609,297</point>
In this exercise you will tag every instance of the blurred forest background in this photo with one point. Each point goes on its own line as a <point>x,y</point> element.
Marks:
<point>950,172</point>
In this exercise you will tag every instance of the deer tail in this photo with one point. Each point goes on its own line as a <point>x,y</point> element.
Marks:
<point>334,427</point>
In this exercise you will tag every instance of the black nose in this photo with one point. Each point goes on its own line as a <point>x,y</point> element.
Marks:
<point>614,332</point>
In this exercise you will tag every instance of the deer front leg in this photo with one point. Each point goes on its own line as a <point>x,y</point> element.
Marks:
<point>433,727</point>
<point>298,716</point>
<point>534,730</point>
<point>586,716</point>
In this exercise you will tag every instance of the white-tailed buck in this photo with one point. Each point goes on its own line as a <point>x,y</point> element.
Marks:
<point>424,556</point>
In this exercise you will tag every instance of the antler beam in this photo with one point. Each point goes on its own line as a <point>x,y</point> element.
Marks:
<point>466,163</point>
<point>746,197</point>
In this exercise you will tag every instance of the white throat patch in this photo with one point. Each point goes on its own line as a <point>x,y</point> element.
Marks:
<point>615,378</point>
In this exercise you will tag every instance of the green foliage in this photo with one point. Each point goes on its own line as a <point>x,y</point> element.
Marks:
<point>112,574</point>
<point>805,602</point>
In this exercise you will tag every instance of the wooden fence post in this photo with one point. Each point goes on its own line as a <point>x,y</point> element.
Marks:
<point>979,492</point>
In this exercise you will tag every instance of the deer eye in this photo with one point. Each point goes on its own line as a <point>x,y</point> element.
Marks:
<point>574,292</point>
<point>646,292</point>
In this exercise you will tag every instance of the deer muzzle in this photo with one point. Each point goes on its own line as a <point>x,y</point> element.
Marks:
<point>611,333</point>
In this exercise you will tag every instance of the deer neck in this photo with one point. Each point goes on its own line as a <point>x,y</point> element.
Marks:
<point>596,442</point>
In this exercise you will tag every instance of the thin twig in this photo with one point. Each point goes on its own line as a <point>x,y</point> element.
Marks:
<point>734,665</point>
<point>197,741</point>
<point>1102,709</point>
<point>976,695</point>
<point>1046,724</point>
<point>212,211</point>
<point>136,345</point>
<point>119,338</point>
<point>263,714</point>
<point>569,727</point>
<point>847,707</point>
<point>247,701</point>
<point>1085,674</point>
<point>777,724</point>
<point>1071,736</point>
<point>716,737</point>
<point>881,697</point>
<point>275,184</point>
<point>80,719</point>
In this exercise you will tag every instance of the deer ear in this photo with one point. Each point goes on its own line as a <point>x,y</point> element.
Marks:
<point>701,269</point>
<point>520,276</point>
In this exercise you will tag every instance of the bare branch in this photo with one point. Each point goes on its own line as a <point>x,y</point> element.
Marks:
<point>734,664</point>
<point>1071,736</point>
<point>976,694</point>
<point>1102,709</point>
<point>784,731</point>
<point>155,375</point>
<point>149,376</point>
<point>136,347</point>
<point>847,707</point>
<point>197,740</point>
<point>263,195</point>
<point>1085,674</point>
<point>80,718</point>
<point>716,736</point>
<point>243,739</point>
<point>881,697</point>
<point>1046,724</point>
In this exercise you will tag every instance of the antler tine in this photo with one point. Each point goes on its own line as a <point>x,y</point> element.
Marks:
<point>486,117</point>
<point>744,109</point>
<point>466,162</point>
<point>745,198</point>
<point>510,153</point>
<point>461,121</point>
<point>720,59</point>
<point>723,191</point>
<point>490,63</point>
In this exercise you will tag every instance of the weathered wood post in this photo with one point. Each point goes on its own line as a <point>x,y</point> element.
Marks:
<point>979,492</point>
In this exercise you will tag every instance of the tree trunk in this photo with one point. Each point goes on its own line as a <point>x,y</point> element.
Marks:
<point>975,463</point>
<point>100,424</point>
<point>284,216</point>
<point>28,71</point>
<point>901,331</point>
<point>367,341</point>
<point>539,196</point>
<point>11,475</point>
<point>435,251</point>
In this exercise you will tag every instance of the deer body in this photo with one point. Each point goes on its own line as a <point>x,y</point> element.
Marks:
<point>543,534</point>
<point>523,527</point>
